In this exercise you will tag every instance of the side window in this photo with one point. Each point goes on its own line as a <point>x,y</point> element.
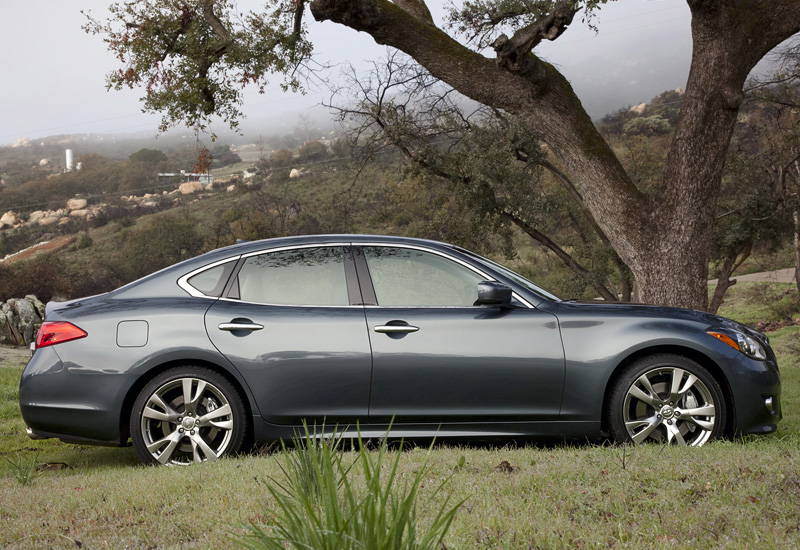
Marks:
<point>304,276</point>
<point>212,281</point>
<point>408,277</point>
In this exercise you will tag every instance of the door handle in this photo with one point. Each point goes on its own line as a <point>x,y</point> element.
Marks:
<point>395,329</point>
<point>230,327</point>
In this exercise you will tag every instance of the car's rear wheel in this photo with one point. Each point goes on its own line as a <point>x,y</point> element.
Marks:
<point>666,398</point>
<point>188,414</point>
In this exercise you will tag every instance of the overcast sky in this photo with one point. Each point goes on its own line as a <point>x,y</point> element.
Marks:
<point>53,74</point>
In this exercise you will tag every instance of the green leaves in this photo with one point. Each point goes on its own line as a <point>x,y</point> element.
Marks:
<point>195,58</point>
<point>320,506</point>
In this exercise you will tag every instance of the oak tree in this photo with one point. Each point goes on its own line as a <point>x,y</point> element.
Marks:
<point>193,57</point>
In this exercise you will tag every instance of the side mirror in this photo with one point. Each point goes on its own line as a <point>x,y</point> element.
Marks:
<point>492,293</point>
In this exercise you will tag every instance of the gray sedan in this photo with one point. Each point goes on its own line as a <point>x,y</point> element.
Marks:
<point>244,343</point>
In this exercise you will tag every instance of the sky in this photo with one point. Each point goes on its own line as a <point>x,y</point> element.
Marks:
<point>52,74</point>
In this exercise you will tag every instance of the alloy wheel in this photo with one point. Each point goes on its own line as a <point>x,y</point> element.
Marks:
<point>187,420</point>
<point>669,404</point>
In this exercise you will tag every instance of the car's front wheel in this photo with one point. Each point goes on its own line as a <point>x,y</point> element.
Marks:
<point>666,398</point>
<point>188,414</point>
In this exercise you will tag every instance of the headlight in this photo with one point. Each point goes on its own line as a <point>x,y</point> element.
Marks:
<point>744,343</point>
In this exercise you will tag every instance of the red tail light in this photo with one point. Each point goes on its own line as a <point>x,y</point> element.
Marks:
<point>57,332</point>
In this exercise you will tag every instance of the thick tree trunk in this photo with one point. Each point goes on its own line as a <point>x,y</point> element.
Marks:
<point>665,237</point>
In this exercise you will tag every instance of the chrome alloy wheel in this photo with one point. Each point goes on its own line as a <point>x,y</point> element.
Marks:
<point>187,420</point>
<point>669,404</point>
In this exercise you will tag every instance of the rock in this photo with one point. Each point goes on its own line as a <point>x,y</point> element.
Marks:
<point>190,187</point>
<point>231,188</point>
<point>295,173</point>
<point>28,321</point>
<point>63,221</point>
<point>49,220</point>
<point>37,304</point>
<point>9,333</point>
<point>20,319</point>
<point>44,162</point>
<point>36,216</point>
<point>639,109</point>
<point>9,219</point>
<point>77,204</point>
<point>82,213</point>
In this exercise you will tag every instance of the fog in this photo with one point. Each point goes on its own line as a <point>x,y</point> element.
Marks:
<point>54,74</point>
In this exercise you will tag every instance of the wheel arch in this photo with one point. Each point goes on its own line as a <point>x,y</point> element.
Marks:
<point>697,356</point>
<point>145,377</point>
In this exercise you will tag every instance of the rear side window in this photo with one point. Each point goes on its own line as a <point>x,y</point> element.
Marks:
<point>212,281</point>
<point>303,276</point>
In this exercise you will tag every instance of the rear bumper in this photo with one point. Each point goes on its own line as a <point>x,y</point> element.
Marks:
<point>73,407</point>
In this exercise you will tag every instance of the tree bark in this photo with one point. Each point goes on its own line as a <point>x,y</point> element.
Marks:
<point>664,237</point>
<point>724,281</point>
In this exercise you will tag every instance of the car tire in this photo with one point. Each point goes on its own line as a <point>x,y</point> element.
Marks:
<point>165,430</point>
<point>666,398</point>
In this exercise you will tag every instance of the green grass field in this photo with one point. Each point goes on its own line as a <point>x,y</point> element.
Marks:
<point>732,494</point>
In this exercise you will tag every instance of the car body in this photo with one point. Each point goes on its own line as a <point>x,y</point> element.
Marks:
<point>247,342</point>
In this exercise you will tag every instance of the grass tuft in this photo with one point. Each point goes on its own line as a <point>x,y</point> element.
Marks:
<point>24,468</point>
<point>319,506</point>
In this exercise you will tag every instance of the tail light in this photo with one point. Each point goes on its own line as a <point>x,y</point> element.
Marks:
<point>57,332</point>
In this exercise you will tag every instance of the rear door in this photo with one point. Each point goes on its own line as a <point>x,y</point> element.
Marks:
<point>292,323</point>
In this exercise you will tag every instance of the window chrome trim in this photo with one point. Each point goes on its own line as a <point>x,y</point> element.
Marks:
<point>292,247</point>
<point>183,282</point>
<point>234,300</point>
<point>483,274</point>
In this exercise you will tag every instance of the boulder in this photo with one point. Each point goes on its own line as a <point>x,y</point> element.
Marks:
<point>190,187</point>
<point>82,213</point>
<point>77,204</point>
<point>295,173</point>
<point>36,216</point>
<point>8,219</point>
<point>639,109</point>
<point>63,221</point>
<point>231,188</point>
<point>20,319</point>
<point>48,220</point>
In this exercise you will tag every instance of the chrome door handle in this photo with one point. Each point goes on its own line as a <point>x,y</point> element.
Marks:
<point>240,326</point>
<point>394,329</point>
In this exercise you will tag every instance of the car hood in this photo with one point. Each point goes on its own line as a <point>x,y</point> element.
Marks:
<point>639,310</point>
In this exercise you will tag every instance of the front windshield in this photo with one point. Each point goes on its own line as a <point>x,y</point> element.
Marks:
<point>516,277</point>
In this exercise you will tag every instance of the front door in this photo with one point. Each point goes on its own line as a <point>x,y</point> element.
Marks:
<point>437,356</point>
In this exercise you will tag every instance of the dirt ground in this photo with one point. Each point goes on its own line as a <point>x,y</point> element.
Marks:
<point>12,355</point>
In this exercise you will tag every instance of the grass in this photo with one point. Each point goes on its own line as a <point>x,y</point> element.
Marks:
<point>727,494</point>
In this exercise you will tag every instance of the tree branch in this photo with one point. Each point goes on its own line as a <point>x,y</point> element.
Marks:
<point>417,8</point>
<point>512,53</point>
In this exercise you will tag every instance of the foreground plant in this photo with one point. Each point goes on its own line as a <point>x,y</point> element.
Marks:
<point>24,469</point>
<point>320,507</point>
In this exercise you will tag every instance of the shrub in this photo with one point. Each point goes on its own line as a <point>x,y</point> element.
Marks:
<point>84,241</point>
